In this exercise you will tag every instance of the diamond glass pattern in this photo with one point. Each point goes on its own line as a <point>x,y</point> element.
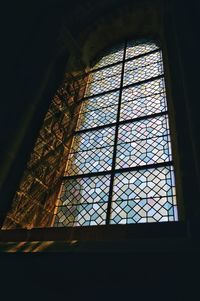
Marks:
<point>143,68</point>
<point>99,110</point>
<point>144,211</point>
<point>105,73</point>
<point>103,101</point>
<point>114,55</point>
<point>143,100</point>
<point>95,160</point>
<point>85,190</point>
<point>93,139</point>
<point>135,48</point>
<point>143,152</point>
<point>105,84</point>
<point>83,201</point>
<point>146,195</point>
<point>133,135</point>
<point>81,215</point>
<point>143,61</point>
<point>143,129</point>
<point>144,183</point>
<point>92,119</point>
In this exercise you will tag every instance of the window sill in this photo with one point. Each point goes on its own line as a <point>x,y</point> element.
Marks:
<point>97,233</point>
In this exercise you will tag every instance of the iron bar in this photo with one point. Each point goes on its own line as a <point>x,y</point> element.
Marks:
<point>126,60</point>
<point>124,87</point>
<point>121,122</point>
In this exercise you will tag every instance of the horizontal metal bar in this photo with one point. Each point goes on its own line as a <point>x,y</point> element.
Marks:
<point>122,143</point>
<point>113,75</point>
<point>142,167</point>
<point>88,175</point>
<point>120,170</point>
<point>143,118</point>
<point>94,128</point>
<point>83,203</point>
<point>70,204</point>
<point>126,60</point>
<point>123,102</point>
<point>127,86</point>
<point>120,122</point>
<point>91,149</point>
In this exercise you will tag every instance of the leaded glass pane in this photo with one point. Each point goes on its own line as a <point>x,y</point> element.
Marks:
<point>81,215</point>
<point>105,84</point>
<point>143,152</point>
<point>144,183</point>
<point>94,139</point>
<point>143,61</point>
<point>93,160</point>
<point>145,211</point>
<point>143,196</point>
<point>99,110</point>
<point>122,124</point>
<point>105,73</point>
<point>92,119</point>
<point>142,100</point>
<point>143,129</point>
<point>103,101</point>
<point>135,48</point>
<point>83,201</point>
<point>143,68</point>
<point>85,190</point>
<point>115,55</point>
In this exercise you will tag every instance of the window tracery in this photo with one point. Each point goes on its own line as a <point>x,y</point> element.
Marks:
<point>120,167</point>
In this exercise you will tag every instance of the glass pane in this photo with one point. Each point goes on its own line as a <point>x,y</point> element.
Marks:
<point>105,73</point>
<point>95,160</point>
<point>97,111</point>
<point>85,190</point>
<point>81,215</point>
<point>143,68</point>
<point>145,183</point>
<point>146,195</point>
<point>144,99</point>
<point>143,61</point>
<point>103,85</point>
<point>135,48</point>
<point>83,201</point>
<point>92,119</point>
<point>103,101</point>
<point>149,210</point>
<point>143,152</point>
<point>114,55</point>
<point>93,139</point>
<point>143,129</point>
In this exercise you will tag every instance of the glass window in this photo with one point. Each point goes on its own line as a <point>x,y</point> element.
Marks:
<point>120,169</point>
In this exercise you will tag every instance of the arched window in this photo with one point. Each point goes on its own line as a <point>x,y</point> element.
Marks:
<point>120,169</point>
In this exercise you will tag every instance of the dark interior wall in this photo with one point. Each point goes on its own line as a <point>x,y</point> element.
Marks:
<point>35,62</point>
<point>181,30</point>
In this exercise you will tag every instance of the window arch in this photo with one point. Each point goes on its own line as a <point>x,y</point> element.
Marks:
<point>120,169</point>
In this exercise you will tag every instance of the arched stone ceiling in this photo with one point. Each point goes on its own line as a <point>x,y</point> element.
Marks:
<point>106,23</point>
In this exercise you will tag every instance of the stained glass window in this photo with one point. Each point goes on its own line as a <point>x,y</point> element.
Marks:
<point>120,168</point>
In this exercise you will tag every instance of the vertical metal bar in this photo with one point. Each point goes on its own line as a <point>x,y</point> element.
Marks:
<point>115,141</point>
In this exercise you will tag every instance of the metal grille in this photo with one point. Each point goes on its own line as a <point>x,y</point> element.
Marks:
<point>120,168</point>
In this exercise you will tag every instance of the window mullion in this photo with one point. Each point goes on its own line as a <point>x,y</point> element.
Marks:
<point>115,140</point>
